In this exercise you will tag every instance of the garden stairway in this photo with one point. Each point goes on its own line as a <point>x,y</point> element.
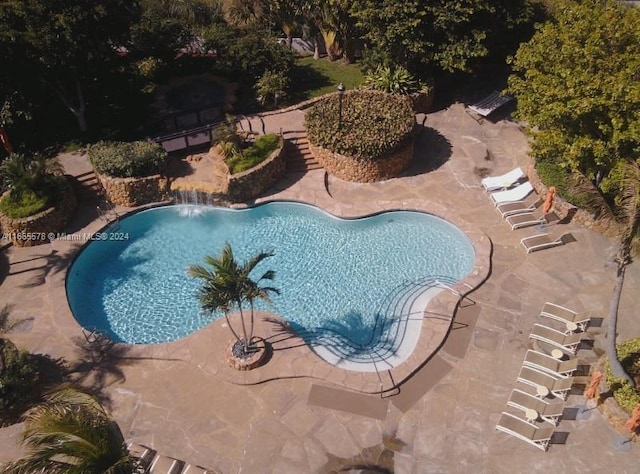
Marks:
<point>298,156</point>
<point>87,187</point>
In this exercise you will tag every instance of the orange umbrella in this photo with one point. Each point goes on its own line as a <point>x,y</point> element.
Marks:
<point>592,389</point>
<point>548,200</point>
<point>633,423</point>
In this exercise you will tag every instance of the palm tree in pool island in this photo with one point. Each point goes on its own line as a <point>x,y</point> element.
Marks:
<point>227,285</point>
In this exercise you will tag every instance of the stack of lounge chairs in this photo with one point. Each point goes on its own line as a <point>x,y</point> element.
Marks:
<point>546,380</point>
<point>509,193</point>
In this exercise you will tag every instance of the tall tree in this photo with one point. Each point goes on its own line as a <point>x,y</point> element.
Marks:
<point>228,286</point>
<point>69,45</point>
<point>71,432</point>
<point>578,86</point>
<point>438,33</point>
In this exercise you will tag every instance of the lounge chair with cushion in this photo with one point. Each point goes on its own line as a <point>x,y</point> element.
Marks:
<point>566,342</point>
<point>555,367</point>
<point>564,315</point>
<point>545,383</point>
<point>525,431</point>
<point>515,194</point>
<point>542,241</point>
<point>525,220</point>
<point>549,412</point>
<point>517,207</point>
<point>504,181</point>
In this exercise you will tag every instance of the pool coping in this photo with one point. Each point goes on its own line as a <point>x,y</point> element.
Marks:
<point>291,357</point>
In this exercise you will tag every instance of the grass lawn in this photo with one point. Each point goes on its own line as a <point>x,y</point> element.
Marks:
<point>313,77</point>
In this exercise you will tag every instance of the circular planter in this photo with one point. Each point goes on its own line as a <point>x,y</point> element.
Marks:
<point>40,228</point>
<point>250,362</point>
<point>364,171</point>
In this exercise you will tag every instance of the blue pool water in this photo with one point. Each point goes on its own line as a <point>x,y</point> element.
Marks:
<point>333,273</point>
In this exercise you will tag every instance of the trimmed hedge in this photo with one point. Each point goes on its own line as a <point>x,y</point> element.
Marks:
<point>127,159</point>
<point>627,396</point>
<point>373,124</point>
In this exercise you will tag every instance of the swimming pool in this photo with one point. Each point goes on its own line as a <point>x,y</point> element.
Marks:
<point>341,280</point>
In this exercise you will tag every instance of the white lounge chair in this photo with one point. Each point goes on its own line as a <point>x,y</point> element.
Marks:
<point>566,342</point>
<point>558,387</point>
<point>504,181</point>
<point>166,465</point>
<point>515,194</point>
<point>525,431</point>
<point>490,104</point>
<point>565,315</point>
<point>507,209</point>
<point>528,219</point>
<point>549,412</point>
<point>555,367</point>
<point>537,242</point>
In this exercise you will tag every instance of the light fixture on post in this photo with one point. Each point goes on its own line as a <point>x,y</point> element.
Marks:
<point>341,89</point>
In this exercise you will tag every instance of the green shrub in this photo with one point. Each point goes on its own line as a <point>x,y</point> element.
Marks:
<point>396,80</point>
<point>552,174</point>
<point>127,159</point>
<point>18,378</point>
<point>256,153</point>
<point>373,124</point>
<point>27,202</point>
<point>627,396</point>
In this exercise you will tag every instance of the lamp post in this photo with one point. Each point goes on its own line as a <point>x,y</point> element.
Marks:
<point>341,89</point>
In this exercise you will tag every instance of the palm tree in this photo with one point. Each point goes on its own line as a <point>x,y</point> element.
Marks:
<point>624,215</point>
<point>228,285</point>
<point>72,433</point>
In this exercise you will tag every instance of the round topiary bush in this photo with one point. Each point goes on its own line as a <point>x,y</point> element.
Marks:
<point>373,124</point>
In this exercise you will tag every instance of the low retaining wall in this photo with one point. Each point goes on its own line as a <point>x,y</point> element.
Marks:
<point>253,182</point>
<point>36,229</point>
<point>364,171</point>
<point>132,192</point>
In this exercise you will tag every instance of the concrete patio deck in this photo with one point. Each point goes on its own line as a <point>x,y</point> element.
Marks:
<point>443,420</point>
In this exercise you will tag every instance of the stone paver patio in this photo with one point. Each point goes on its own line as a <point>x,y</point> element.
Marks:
<point>166,398</point>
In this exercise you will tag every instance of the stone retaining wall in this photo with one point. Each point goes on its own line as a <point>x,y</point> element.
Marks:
<point>568,211</point>
<point>35,230</point>
<point>253,182</point>
<point>364,171</point>
<point>132,192</point>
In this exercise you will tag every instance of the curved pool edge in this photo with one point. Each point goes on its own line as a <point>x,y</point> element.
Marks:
<point>293,358</point>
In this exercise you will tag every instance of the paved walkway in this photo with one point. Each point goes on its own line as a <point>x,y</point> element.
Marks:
<point>171,404</point>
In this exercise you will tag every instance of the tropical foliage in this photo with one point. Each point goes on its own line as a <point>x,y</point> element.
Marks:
<point>19,378</point>
<point>255,153</point>
<point>373,123</point>
<point>227,286</point>
<point>34,183</point>
<point>70,432</point>
<point>397,80</point>
<point>272,84</point>
<point>627,395</point>
<point>127,159</point>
